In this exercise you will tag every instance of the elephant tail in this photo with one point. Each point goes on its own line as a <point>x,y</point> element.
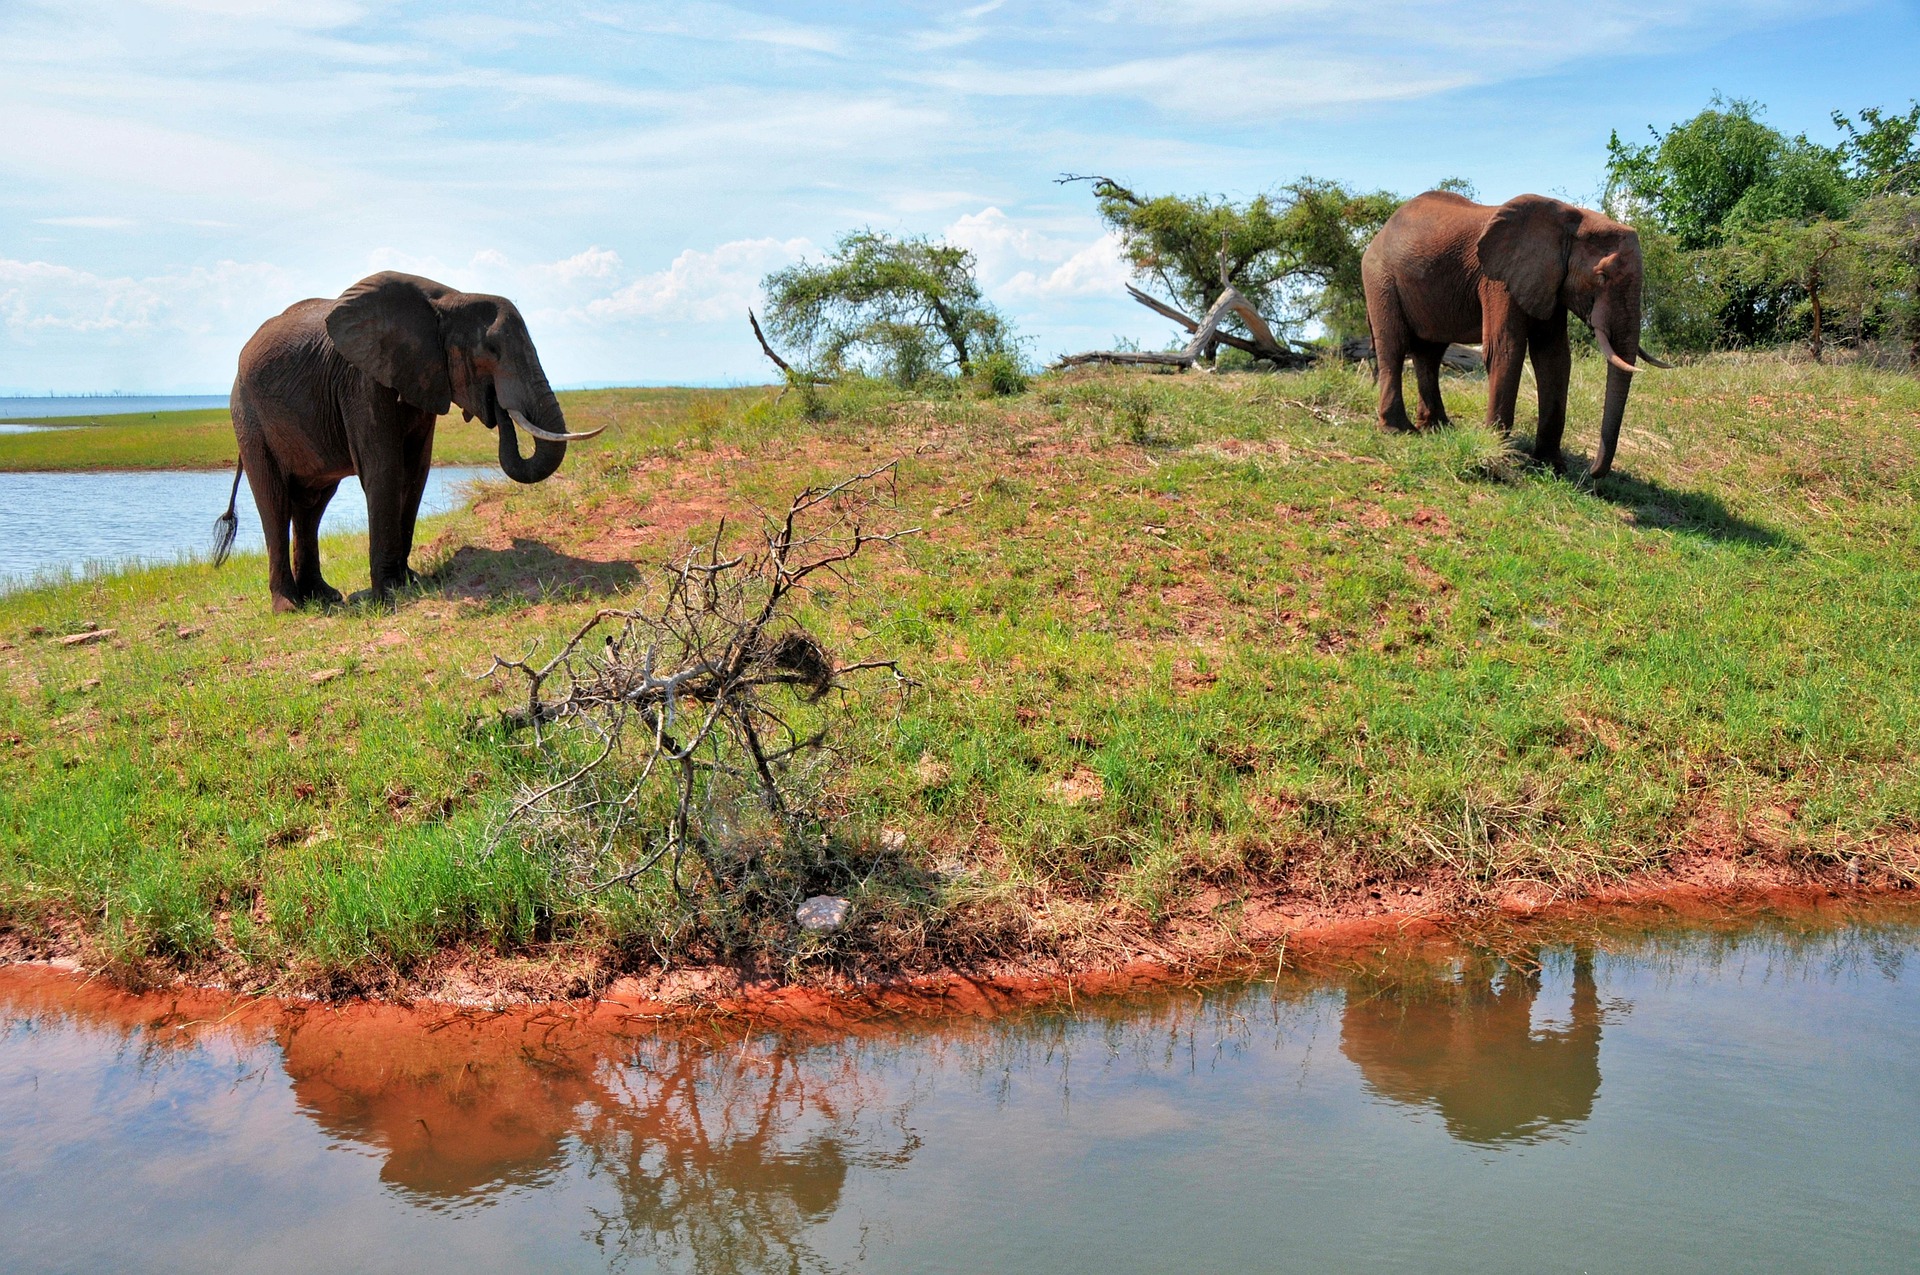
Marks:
<point>227,525</point>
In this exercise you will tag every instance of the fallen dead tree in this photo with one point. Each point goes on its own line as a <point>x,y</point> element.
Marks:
<point>683,729</point>
<point>1462,358</point>
<point>1206,334</point>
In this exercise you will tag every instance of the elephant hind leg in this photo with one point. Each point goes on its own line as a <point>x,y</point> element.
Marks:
<point>1390,343</point>
<point>1426,376</point>
<point>270,496</point>
<point>309,504</point>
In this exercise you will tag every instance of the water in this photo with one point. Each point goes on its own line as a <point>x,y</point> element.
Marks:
<point>1671,1101</point>
<point>51,523</point>
<point>21,408</point>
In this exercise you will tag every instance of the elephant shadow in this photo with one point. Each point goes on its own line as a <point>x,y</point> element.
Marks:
<point>528,569</point>
<point>1691,513</point>
<point>1467,1048</point>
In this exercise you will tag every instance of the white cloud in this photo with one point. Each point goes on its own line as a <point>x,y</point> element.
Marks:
<point>38,297</point>
<point>1023,262</point>
<point>702,287</point>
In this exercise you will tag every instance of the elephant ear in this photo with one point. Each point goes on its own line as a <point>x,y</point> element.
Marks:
<point>1526,246</point>
<point>388,326</point>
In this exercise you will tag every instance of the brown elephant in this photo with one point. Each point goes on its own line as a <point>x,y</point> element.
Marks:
<point>1445,270</point>
<point>354,386</point>
<point>1467,1047</point>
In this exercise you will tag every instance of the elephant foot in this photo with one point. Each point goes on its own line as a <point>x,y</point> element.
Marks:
<point>1397,424</point>
<point>324,594</point>
<point>283,604</point>
<point>1554,461</point>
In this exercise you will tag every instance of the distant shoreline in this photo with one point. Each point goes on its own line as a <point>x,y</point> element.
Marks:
<point>37,407</point>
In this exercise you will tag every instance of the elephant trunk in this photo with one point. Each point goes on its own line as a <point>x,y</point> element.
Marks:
<point>547,452</point>
<point>1620,373</point>
<point>1618,383</point>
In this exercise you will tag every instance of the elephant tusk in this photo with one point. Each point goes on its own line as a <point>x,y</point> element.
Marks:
<point>548,434</point>
<point>1650,361</point>
<point>1606,346</point>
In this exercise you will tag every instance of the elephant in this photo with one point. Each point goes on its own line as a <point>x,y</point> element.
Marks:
<point>1445,270</point>
<point>354,385</point>
<point>1467,1047</point>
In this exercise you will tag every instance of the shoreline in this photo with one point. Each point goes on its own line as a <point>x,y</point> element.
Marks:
<point>1710,891</point>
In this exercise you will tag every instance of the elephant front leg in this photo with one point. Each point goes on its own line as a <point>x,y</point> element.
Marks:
<point>389,533</point>
<point>1552,372</point>
<point>1505,351</point>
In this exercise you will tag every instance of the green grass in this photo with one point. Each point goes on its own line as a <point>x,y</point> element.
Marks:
<point>1174,634</point>
<point>203,439</point>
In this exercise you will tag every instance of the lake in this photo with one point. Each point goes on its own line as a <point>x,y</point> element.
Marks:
<point>51,523</point>
<point>47,408</point>
<point>1650,1100</point>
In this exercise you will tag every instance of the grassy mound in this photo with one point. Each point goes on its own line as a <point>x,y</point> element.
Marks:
<point>1181,640</point>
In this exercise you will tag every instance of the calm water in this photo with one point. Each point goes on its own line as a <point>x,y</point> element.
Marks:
<point>14,408</point>
<point>1727,1101</point>
<point>70,522</point>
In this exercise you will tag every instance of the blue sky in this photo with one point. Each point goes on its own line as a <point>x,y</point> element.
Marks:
<point>173,173</point>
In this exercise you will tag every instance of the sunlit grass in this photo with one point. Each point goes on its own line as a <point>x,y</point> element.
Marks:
<point>1170,631</point>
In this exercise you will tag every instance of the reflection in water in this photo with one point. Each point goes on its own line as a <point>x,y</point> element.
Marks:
<point>1135,1134</point>
<point>722,1157</point>
<point>1467,1045</point>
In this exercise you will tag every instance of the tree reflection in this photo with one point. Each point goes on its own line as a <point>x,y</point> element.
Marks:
<point>1466,1046</point>
<point>723,1155</point>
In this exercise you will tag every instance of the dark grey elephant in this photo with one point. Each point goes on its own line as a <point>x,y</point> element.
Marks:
<point>354,386</point>
<point>1445,270</point>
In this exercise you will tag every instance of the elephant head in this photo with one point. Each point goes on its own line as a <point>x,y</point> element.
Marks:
<point>433,346</point>
<point>1551,255</point>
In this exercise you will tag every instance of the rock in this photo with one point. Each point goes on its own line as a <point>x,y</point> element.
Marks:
<point>823,912</point>
<point>325,675</point>
<point>87,637</point>
<point>893,840</point>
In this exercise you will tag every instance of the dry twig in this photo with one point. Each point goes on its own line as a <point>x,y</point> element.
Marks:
<point>678,728</point>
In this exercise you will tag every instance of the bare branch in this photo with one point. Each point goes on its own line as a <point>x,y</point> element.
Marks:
<point>673,722</point>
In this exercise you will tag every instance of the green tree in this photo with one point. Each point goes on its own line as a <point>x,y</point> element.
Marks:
<point>1882,150</point>
<point>907,309</point>
<point>1295,254</point>
<point>1802,262</point>
<point>1722,169</point>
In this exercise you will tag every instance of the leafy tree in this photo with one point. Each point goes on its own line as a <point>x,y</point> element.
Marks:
<point>902,308</point>
<point>1883,157</point>
<point>1722,169</point>
<point>1802,261</point>
<point>1295,254</point>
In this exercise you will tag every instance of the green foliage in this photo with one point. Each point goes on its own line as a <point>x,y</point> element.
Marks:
<point>1000,373</point>
<point>1753,236</point>
<point>1721,168</point>
<point>1295,254</point>
<point>1882,151</point>
<point>907,309</point>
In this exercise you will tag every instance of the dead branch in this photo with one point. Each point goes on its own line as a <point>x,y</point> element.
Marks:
<point>793,377</point>
<point>675,728</point>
